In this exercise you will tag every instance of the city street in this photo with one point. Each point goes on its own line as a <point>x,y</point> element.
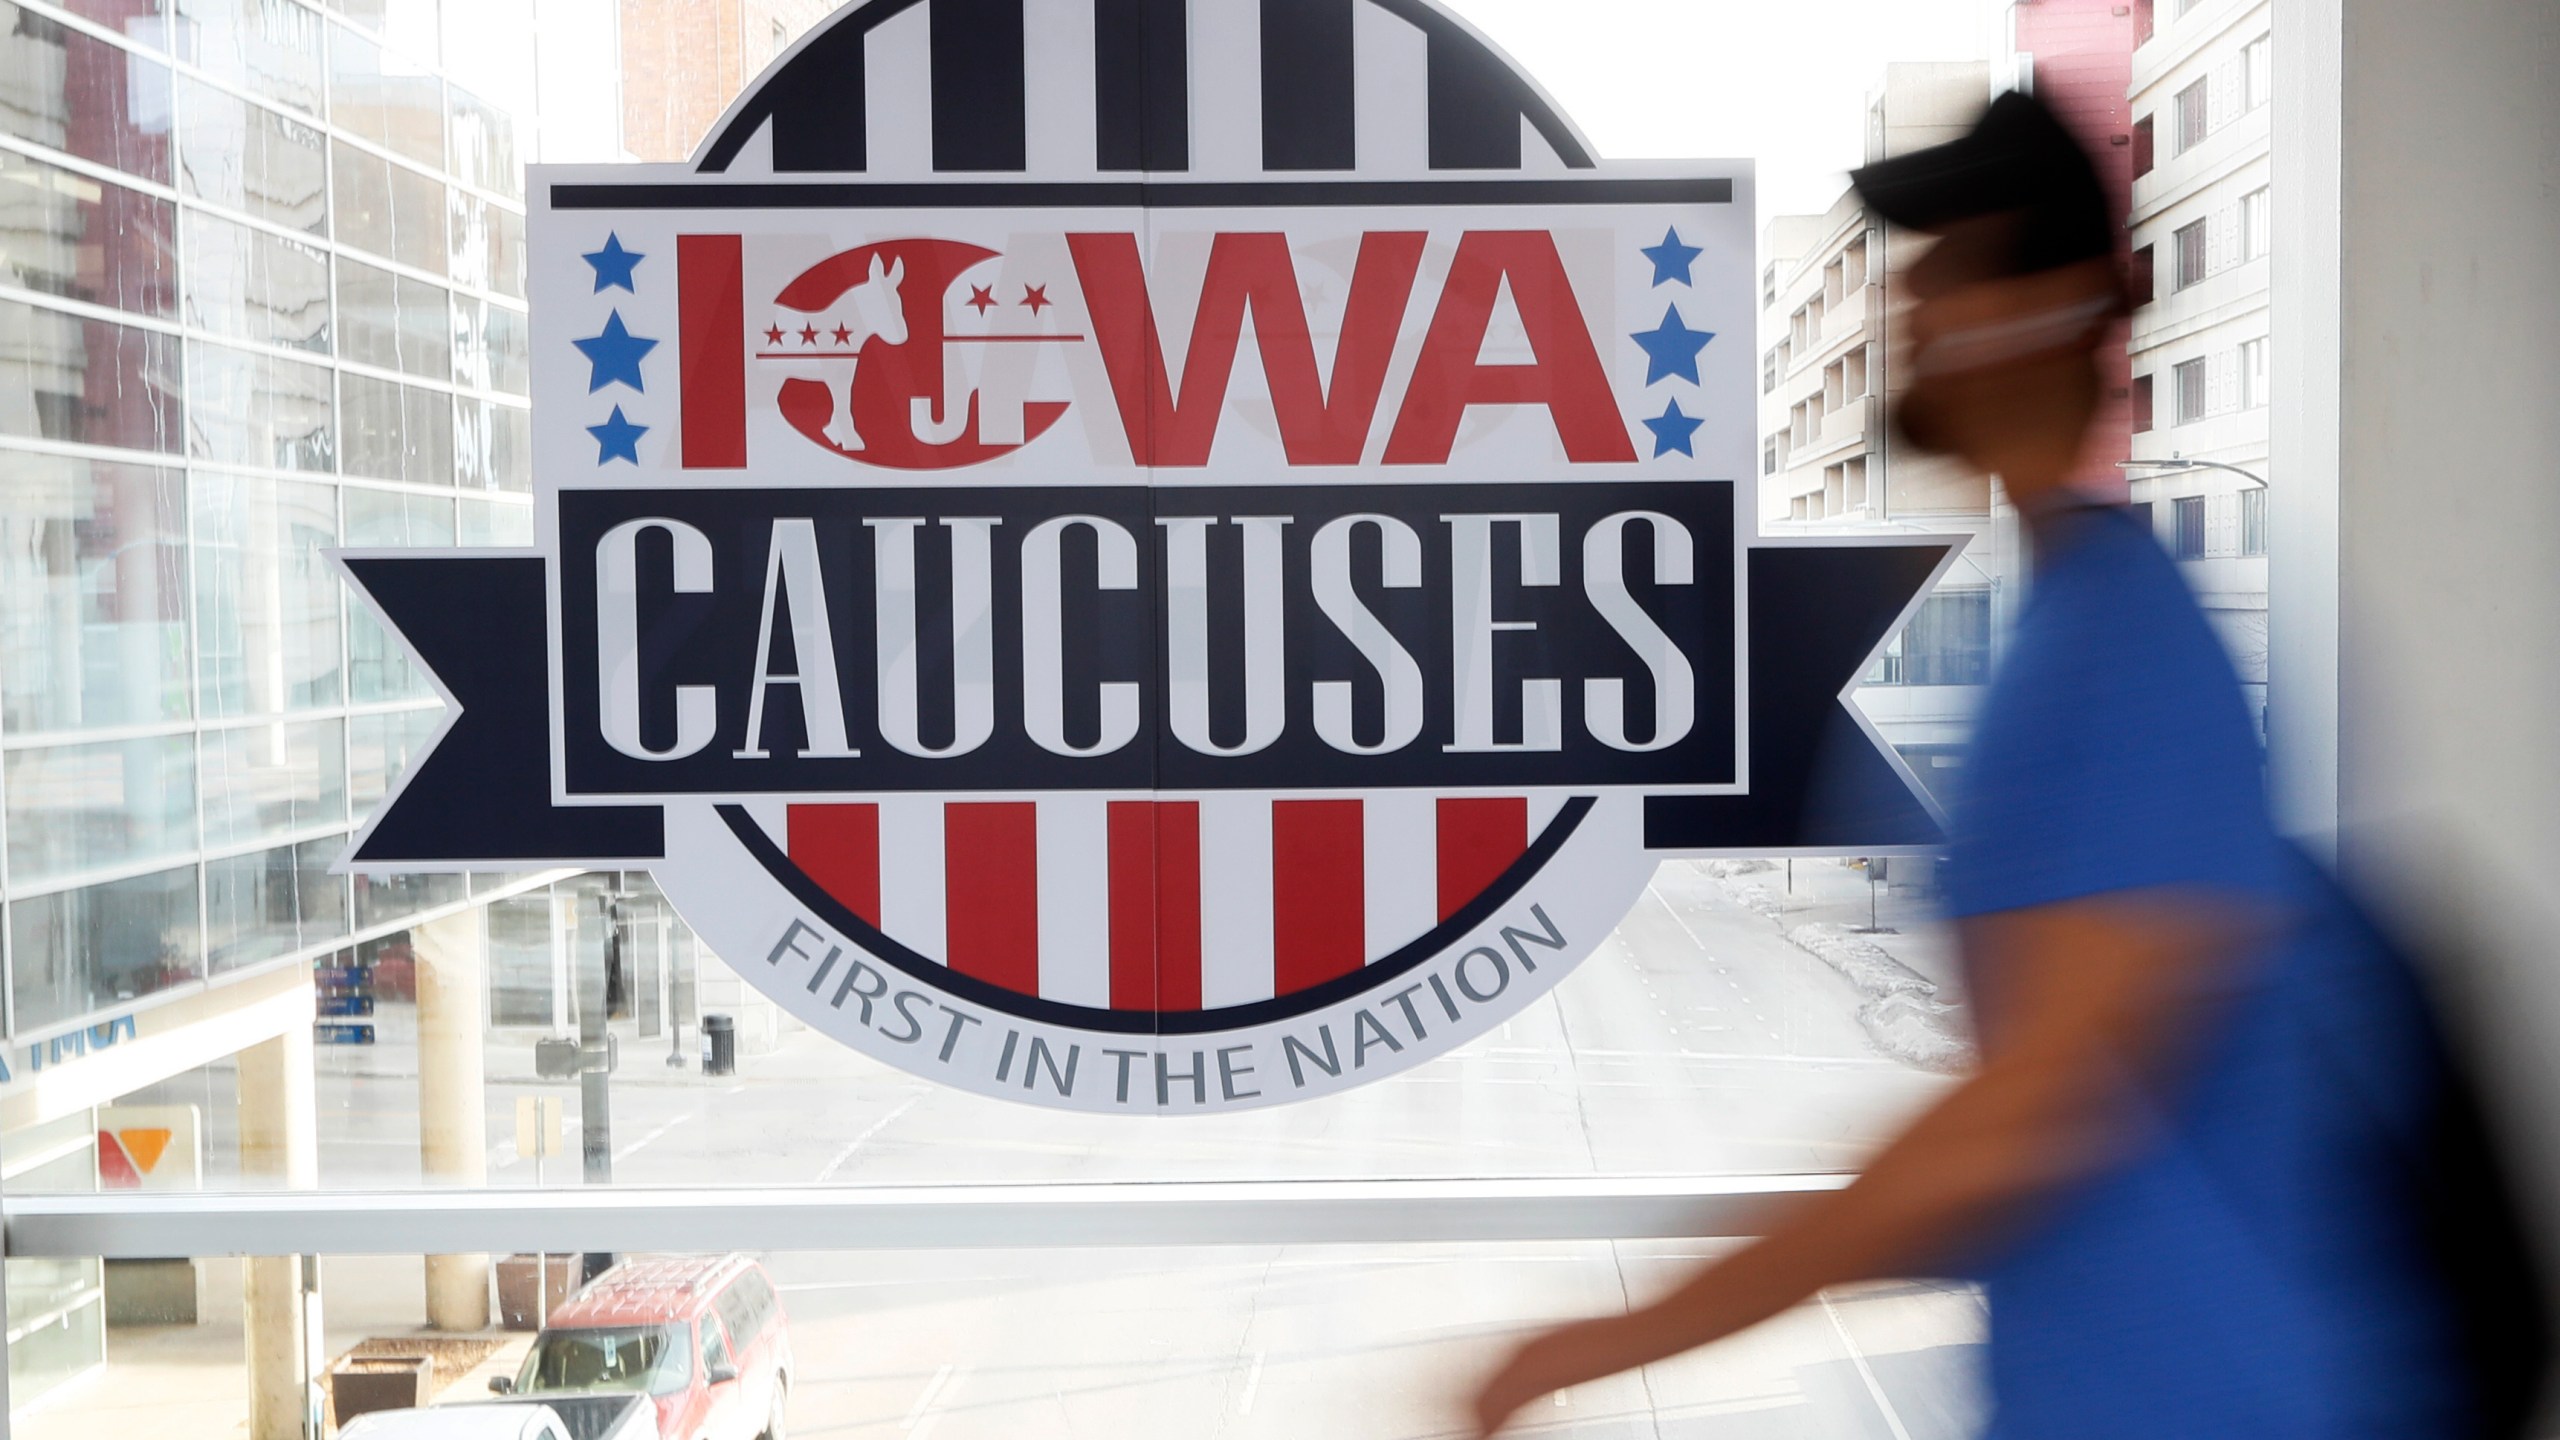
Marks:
<point>1698,1039</point>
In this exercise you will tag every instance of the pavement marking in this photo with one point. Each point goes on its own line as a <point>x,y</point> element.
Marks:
<point>1866,1375</point>
<point>876,1126</point>
<point>1252,1383</point>
<point>933,1392</point>
<point>627,1151</point>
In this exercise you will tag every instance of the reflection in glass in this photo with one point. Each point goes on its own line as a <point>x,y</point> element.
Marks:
<point>93,594</point>
<point>262,780</point>
<point>484,144</point>
<point>393,321</point>
<point>66,234</point>
<point>259,410</point>
<point>493,446</point>
<point>506,251</point>
<point>378,666</point>
<point>80,951</point>
<point>520,969</point>
<point>252,159</point>
<point>396,432</point>
<point>78,94</point>
<point>496,522</point>
<point>266,599</point>
<point>385,99</point>
<point>379,748</point>
<point>60,1325</point>
<point>273,903</point>
<point>255,286</point>
<point>384,898</point>
<point>77,808</point>
<point>266,47</point>
<point>68,377</point>
<point>388,208</point>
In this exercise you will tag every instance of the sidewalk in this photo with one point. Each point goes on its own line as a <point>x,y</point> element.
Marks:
<point>1886,940</point>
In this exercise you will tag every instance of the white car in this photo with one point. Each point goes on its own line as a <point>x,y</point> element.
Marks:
<point>567,1418</point>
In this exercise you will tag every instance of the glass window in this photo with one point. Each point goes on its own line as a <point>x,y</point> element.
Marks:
<point>381,899</point>
<point>2257,70</point>
<point>2253,373</point>
<point>397,432</point>
<point>2188,515</point>
<point>489,345</point>
<point>78,94</point>
<point>259,410</point>
<point>387,518</point>
<point>393,321</point>
<point>483,144</point>
<point>2194,256</point>
<point>467,236</point>
<point>77,808</point>
<point>379,748</point>
<point>266,599</point>
<point>82,238</point>
<point>1948,642</point>
<point>136,20</point>
<point>506,251</point>
<point>493,446</point>
<point>256,286</point>
<point>262,780</point>
<point>496,522</point>
<point>378,666</point>
<point>608,1359</point>
<point>385,98</point>
<point>2253,521</point>
<point>2257,225</point>
<point>2194,115</point>
<point>510,365</point>
<point>251,158</point>
<point>80,951</point>
<point>387,208</point>
<point>520,973</point>
<point>2189,379</point>
<point>273,903</point>
<point>93,594</point>
<point>266,47</point>
<point>69,377</point>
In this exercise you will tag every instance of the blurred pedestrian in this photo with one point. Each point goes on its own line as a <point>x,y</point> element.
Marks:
<point>2189,1170</point>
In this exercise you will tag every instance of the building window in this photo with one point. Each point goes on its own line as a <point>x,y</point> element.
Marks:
<point>2142,517</point>
<point>781,40</point>
<point>2142,133</point>
<point>2189,378</point>
<point>2192,253</point>
<point>2189,515</point>
<point>2141,280</point>
<point>2257,74</point>
<point>1769,284</point>
<point>1769,458</point>
<point>2141,404</point>
<point>2253,520</point>
<point>2257,224</point>
<point>1948,642</point>
<point>2195,116</point>
<point>2253,374</point>
<point>2145,24</point>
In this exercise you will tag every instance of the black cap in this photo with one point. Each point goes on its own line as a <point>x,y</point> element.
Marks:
<point>2018,160</point>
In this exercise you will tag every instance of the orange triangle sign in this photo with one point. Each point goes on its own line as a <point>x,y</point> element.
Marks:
<point>145,1146</point>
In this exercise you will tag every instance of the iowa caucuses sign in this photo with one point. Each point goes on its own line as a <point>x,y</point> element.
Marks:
<point>1145,557</point>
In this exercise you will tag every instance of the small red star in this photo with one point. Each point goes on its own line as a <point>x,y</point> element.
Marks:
<point>982,298</point>
<point>808,334</point>
<point>844,335</point>
<point>773,335</point>
<point>1035,298</point>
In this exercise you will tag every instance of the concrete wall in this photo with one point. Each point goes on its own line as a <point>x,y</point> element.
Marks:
<point>2417,325</point>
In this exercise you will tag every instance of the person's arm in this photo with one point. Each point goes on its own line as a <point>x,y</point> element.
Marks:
<point>2089,992</point>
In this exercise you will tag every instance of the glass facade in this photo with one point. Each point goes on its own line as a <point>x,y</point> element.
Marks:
<point>261,294</point>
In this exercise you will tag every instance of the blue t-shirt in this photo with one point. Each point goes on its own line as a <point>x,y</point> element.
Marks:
<point>2244,1271</point>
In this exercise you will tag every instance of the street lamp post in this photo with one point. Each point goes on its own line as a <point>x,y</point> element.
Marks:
<point>2177,463</point>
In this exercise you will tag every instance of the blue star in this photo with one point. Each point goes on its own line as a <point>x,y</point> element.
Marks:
<point>1670,348</point>
<point>1670,258</point>
<point>615,356</point>
<point>613,263</point>
<point>1671,431</point>
<point>619,439</point>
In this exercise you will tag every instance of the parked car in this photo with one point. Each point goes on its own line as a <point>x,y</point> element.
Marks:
<point>566,1417</point>
<point>704,1337</point>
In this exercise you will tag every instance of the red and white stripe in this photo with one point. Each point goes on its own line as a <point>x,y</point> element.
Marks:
<point>1203,903</point>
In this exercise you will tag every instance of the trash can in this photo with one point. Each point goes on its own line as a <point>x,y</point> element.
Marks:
<point>719,1045</point>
